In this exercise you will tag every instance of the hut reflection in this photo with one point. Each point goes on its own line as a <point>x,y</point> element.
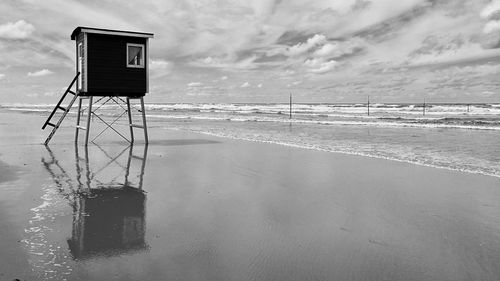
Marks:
<point>107,199</point>
<point>108,222</point>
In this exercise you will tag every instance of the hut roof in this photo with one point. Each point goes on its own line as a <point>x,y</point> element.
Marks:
<point>109,32</point>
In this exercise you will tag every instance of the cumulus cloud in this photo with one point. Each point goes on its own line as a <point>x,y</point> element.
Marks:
<point>319,66</point>
<point>491,30</point>
<point>491,26</point>
<point>160,68</point>
<point>318,55</point>
<point>245,85</point>
<point>491,10</point>
<point>302,48</point>
<point>42,72</point>
<point>194,84</point>
<point>229,62</point>
<point>158,65</point>
<point>16,30</point>
<point>326,50</point>
<point>338,49</point>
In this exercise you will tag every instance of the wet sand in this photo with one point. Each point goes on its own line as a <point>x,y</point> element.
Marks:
<point>196,207</point>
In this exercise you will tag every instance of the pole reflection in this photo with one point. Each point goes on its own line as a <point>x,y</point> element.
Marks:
<point>107,200</point>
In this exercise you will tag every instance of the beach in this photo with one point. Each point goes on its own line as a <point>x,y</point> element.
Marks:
<point>204,205</point>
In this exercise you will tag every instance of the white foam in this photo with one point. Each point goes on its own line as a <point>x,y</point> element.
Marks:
<point>350,151</point>
<point>373,122</point>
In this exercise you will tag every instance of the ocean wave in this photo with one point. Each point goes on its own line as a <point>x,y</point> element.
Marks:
<point>431,124</point>
<point>349,150</point>
<point>411,109</point>
<point>453,116</point>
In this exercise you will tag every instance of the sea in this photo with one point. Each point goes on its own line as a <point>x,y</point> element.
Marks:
<point>461,137</point>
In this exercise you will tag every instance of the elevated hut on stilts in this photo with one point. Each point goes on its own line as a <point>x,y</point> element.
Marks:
<point>112,68</point>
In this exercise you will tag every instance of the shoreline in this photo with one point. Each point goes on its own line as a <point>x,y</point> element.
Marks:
<point>347,153</point>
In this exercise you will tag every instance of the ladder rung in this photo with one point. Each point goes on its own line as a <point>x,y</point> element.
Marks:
<point>136,126</point>
<point>137,157</point>
<point>81,128</point>
<point>58,106</point>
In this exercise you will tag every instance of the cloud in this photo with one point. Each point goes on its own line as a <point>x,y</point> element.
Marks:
<point>326,50</point>
<point>16,30</point>
<point>491,10</point>
<point>160,68</point>
<point>269,42</point>
<point>158,65</point>
<point>491,26</point>
<point>338,49</point>
<point>259,86</point>
<point>228,63</point>
<point>491,30</point>
<point>195,84</point>
<point>2,76</point>
<point>302,48</point>
<point>318,55</point>
<point>42,72</point>
<point>324,67</point>
<point>245,85</point>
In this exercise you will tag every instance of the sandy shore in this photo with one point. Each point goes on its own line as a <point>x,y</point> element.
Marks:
<point>219,209</point>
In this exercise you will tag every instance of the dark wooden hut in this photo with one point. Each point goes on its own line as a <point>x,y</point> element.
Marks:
<point>111,62</point>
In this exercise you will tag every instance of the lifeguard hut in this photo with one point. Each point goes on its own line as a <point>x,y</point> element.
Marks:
<point>111,68</point>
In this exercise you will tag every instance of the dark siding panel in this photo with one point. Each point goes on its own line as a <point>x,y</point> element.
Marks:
<point>107,71</point>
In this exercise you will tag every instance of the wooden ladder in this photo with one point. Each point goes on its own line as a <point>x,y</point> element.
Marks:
<point>59,107</point>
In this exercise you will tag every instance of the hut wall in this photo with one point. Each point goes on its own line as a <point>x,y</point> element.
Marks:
<point>107,71</point>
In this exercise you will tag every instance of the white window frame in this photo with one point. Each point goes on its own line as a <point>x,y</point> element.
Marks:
<point>79,65</point>
<point>142,46</point>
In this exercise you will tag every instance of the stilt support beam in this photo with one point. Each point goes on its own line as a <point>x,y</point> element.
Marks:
<point>124,104</point>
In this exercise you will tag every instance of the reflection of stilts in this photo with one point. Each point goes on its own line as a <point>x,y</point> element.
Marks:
<point>108,217</point>
<point>143,165</point>
<point>92,176</point>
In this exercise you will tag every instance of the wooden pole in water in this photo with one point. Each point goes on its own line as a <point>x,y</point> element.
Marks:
<point>368,105</point>
<point>468,107</point>
<point>423,108</point>
<point>290,105</point>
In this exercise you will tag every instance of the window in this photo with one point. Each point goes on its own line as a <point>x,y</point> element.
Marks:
<point>135,55</point>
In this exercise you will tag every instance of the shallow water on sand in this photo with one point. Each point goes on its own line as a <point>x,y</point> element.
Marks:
<point>473,151</point>
<point>195,207</point>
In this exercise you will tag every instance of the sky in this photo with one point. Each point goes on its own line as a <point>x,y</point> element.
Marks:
<point>224,51</point>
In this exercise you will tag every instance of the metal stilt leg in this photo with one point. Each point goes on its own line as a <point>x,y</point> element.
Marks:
<point>145,126</point>
<point>89,116</point>
<point>78,116</point>
<point>130,121</point>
